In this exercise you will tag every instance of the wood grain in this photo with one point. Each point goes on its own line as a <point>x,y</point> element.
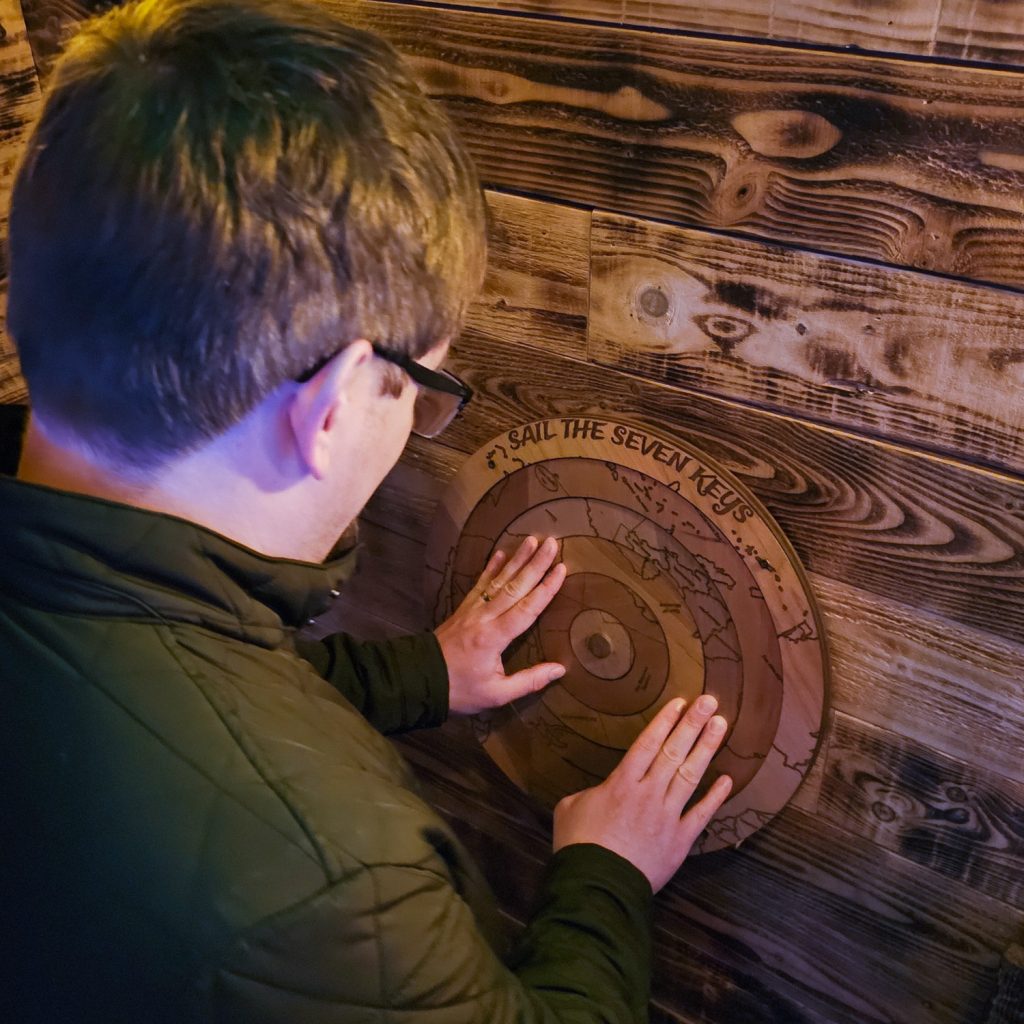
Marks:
<point>921,530</point>
<point>991,30</point>
<point>19,106</point>
<point>976,30</point>
<point>824,914</point>
<point>538,272</point>
<point>948,687</point>
<point>1008,1002</point>
<point>983,30</point>
<point>50,22</point>
<point>905,162</point>
<point>962,822</point>
<point>904,355</point>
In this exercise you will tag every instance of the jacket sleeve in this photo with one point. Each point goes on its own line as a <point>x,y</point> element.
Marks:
<point>419,956</point>
<point>397,684</point>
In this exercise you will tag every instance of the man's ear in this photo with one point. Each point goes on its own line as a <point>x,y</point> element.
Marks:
<point>318,406</point>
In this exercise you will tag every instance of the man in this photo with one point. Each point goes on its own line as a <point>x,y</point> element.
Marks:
<point>240,242</point>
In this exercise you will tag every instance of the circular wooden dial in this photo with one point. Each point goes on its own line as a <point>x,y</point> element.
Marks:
<point>679,582</point>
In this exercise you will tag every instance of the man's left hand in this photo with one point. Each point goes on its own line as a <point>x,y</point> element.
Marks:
<point>506,601</point>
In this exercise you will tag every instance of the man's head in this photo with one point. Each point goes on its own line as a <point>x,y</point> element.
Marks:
<point>218,195</point>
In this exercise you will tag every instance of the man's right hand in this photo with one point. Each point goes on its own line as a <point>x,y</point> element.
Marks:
<point>637,812</point>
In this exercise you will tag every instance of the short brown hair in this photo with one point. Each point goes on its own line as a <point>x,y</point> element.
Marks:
<point>218,194</point>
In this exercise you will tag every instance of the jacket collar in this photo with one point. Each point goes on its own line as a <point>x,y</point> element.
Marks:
<point>73,553</point>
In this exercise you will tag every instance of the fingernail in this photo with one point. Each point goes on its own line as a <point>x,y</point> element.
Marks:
<point>679,704</point>
<point>557,673</point>
<point>717,724</point>
<point>706,704</point>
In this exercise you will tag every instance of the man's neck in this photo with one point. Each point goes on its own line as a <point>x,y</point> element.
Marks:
<point>202,489</point>
<point>44,461</point>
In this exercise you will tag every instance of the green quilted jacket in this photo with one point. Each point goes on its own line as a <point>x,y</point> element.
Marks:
<point>203,822</point>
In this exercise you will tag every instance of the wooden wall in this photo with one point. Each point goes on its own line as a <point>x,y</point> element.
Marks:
<point>793,235</point>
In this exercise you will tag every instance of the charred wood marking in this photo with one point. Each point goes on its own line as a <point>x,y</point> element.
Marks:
<point>957,820</point>
<point>19,104</point>
<point>538,271</point>
<point>955,28</point>
<point>898,353</point>
<point>940,684</point>
<point>863,156</point>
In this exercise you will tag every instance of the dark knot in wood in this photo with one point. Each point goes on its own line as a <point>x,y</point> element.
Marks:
<point>654,302</point>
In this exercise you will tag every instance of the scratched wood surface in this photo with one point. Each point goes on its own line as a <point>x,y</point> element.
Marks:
<point>981,30</point>
<point>961,821</point>
<point>732,930</point>
<point>19,105</point>
<point>903,355</point>
<point>905,162</point>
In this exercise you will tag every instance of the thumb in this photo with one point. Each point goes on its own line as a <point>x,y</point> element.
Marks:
<point>530,680</point>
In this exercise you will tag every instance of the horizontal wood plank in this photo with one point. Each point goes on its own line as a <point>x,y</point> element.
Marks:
<point>982,30</point>
<point>905,162</point>
<point>876,937</point>
<point>987,30</point>
<point>961,821</point>
<point>904,355</point>
<point>19,106</point>
<point>948,687</point>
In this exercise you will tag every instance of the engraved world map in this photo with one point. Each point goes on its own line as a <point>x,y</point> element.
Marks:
<point>678,583</point>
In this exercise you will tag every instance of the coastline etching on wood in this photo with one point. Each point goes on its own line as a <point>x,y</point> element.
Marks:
<point>678,583</point>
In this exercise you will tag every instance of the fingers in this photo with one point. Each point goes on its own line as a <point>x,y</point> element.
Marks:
<point>523,614</point>
<point>688,774</point>
<point>696,819</point>
<point>524,571</point>
<point>674,753</point>
<point>645,748</point>
<point>491,569</point>
<point>531,679</point>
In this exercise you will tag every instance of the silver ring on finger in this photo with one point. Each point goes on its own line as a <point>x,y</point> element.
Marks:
<point>485,597</point>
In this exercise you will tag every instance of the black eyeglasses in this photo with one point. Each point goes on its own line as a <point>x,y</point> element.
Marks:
<point>440,398</point>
